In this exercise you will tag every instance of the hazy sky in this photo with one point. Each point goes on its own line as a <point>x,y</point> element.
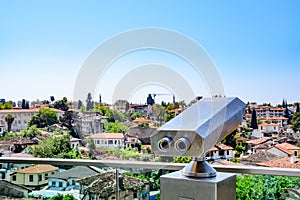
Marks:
<point>255,45</point>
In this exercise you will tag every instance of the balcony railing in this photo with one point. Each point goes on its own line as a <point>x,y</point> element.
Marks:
<point>151,165</point>
<point>126,164</point>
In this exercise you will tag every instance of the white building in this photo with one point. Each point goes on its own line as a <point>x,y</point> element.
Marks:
<point>75,143</point>
<point>2,126</point>
<point>267,112</point>
<point>281,121</point>
<point>108,140</point>
<point>22,116</point>
<point>66,180</point>
<point>220,151</point>
<point>269,128</point>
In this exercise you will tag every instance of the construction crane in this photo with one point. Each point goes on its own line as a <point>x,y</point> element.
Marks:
<point>154,95</point>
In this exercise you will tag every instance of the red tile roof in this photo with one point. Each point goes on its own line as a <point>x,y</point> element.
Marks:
<point>288,146</point>
<point>225,162</point>
<point>140,120</point>
<point>214,149</point>
<point>75,139</point>
<point>107,136</point>
<point>32,110</point>
<point>258,141</point>
<point>224,147</point>
<point>261,146</point>
<point>35,169</point>
<point>282,163</point>
<point>265,124</point>
<point>288,152</point>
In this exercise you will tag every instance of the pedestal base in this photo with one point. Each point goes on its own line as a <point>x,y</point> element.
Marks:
<point>175,186</point>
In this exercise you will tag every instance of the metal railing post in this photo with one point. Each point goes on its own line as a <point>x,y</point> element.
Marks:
<point>117,184</point>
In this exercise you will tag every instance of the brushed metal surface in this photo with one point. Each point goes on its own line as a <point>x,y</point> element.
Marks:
<point>175,186</point>
<point>202,125</point>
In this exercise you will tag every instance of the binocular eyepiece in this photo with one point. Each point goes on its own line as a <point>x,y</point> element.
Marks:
<point>181,145</point>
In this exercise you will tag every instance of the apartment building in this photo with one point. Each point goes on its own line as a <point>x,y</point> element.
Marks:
<point>268,112</point>
<point>22,116</point>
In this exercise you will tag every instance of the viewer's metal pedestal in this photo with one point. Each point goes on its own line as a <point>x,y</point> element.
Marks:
<point>175,186</point>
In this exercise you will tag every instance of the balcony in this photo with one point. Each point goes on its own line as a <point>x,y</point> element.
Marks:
<point>142,191</point>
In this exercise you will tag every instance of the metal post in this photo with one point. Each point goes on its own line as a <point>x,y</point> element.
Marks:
<point>117,185</point>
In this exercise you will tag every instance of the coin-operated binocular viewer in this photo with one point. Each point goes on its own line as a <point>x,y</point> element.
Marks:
<point>192,133</point>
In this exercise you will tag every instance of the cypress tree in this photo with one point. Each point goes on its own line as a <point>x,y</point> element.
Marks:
<point>297,107</point>
<point>283,103</point>
<point>254,120</point>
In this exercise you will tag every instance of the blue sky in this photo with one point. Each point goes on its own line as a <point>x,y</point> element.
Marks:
<point>255,45</point>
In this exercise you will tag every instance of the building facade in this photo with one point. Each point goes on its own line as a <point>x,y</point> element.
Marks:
<point>22,116</point>
<point>108,140</point>
<point>34,176</point>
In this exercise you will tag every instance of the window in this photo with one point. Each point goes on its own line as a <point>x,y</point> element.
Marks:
<point>60,184</point>
<point>53,183</point>
<point>295,153</point>
<point>221,153</point>
<point>110,142</point>
<point>227,152</point>
<point>40,177</point>
<point>46,176</point>
<point>14,178</point>
<point>30,178</point>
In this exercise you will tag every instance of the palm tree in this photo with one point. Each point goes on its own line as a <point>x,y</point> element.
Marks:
<point>9,120</point>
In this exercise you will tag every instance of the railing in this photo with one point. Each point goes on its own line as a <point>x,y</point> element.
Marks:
<point>151,165</point>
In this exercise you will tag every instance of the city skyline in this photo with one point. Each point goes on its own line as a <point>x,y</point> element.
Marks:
<point>254,45</point>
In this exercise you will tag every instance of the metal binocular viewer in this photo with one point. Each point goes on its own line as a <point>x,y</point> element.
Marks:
<point>193,132</point>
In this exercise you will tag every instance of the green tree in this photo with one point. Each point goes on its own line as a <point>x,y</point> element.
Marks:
<point>239,150</point>
<point>89,102</point>
<point>62,104</point>
<point>135,115</point>
<point>158,112</point>
<point>101,109</point>
<point>179,159</point>
<point>259,187</point>
<point>80,104</point>
<point>168,116</point>
<point>52,99</point>
<point>254,120</point>
<point>143,124</point>
<point>31,132</point>
<point>118,116</point>
<point>296,121</point>
<point>150,100</point>
<point>5,106</point>
<point>45,117</point>
<point>68,121</point>
<point>9,118</point>
<point>55,147</point>
<point>115,127</point>
<point>297,107</point>
<point>63,197</point>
